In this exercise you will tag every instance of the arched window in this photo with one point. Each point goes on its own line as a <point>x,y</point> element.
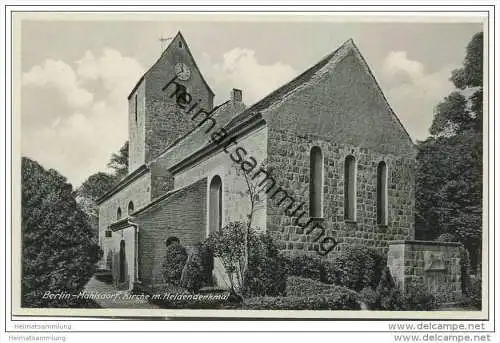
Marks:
<point>350,188</point>
<point>382,194</point>
<point>171,240</point>
<point>215,204</point>
<point>118,213</point>
<point>130,207</point>
<point>316,183</point>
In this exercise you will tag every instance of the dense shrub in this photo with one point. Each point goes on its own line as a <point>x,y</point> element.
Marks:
<point>175,259</point>
<point>306,266</point>
<point>267,277</point>
<point>298,286</point>
<point>370,298</point>
<point>417,298</point>
<point>58,253</point>
<point>270,247</point>
<point>357,267</point>
<point>339,299</point>
<point>228,244</point>
<point>198,269</point>
<point>389,296</point>
<point>266,271</point>
<point>330,272</point>
<point>447,237</point>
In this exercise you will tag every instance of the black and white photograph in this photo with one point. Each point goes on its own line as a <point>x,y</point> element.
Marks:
<point>254,166</point>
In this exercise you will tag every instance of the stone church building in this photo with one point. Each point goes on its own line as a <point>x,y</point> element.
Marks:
<point>335,164</point>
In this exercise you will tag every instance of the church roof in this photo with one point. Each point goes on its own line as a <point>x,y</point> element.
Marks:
<point>129,219</point>
<point>198,137</point>
<point>254,114</point>
<point>288,89</point>
<point>279,93</point>
<point>143,169</point>
<point>158,201</point>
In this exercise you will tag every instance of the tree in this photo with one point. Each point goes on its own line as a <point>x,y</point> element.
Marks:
<point>90,190</point>
<point>119,161</point>
<point>58,254</point>
<point>253,190</point>
<point>229,245</point>
<point>99,183</point>
<point>449,177</point>
<point>232,242</point>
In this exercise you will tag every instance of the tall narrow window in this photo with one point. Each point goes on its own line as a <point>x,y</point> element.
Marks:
<point>350,188</point>
<point>382,194</point>
<point>215,204</point>
<point>118,213</point>
<point>130,207</point>
<point>316,183</point>
<point>135,107</point>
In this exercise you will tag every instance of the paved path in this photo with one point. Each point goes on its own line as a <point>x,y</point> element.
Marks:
<point>108,297</point>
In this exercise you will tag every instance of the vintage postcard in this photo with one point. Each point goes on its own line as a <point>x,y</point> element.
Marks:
<point>300,165</point>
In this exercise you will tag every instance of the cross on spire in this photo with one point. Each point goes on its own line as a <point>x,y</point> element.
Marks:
<point>163,40</point>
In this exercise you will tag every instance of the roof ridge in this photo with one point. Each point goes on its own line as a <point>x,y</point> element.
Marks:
<point>129,178</point>
<point>166,195</point>
<point>291,86</point>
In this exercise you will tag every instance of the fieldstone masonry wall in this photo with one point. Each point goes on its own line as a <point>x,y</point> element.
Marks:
<point>290,168</point>
<point>437,264</point>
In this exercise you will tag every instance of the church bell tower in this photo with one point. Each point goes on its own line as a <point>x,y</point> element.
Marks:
<point>156,119</point>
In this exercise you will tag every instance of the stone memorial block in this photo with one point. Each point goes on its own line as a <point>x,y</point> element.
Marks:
<point>437,264</point>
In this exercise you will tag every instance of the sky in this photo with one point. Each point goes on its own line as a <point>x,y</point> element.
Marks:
<point>76,74</point>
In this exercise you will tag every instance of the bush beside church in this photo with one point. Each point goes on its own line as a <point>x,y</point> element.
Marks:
<point>357,278</point>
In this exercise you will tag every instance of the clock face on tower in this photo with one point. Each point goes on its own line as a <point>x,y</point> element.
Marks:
<point>182,71</point>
